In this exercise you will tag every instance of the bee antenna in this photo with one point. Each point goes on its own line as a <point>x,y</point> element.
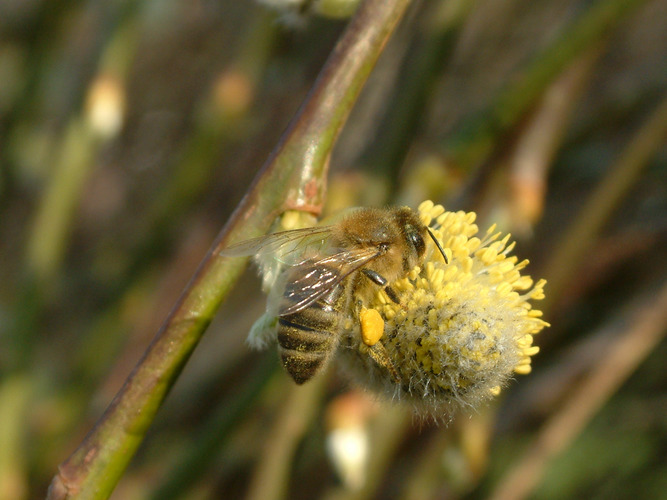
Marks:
<point>437,244</point>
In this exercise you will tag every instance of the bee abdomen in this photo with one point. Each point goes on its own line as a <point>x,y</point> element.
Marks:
<point>306,342</point>
<point>302,366</point>
<point>302,338</point>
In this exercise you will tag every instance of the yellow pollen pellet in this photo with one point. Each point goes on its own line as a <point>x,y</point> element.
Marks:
<point>495,390</point>
<point>372,326</point>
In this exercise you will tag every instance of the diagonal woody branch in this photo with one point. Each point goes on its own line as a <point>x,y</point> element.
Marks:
<point>294,177</point>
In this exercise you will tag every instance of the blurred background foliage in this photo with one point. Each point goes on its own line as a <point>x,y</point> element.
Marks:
<point>129,131</point>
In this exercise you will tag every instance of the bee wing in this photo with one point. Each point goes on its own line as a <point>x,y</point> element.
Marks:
<point>285,246</point>
<point>320,276</point>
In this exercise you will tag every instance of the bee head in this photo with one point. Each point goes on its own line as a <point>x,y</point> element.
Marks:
<point>397,233</point>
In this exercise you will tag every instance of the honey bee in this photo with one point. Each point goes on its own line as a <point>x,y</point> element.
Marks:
<point>331,273</point>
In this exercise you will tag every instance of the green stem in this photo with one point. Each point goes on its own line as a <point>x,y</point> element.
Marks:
<point>54,219</point>
<point>294,177</point>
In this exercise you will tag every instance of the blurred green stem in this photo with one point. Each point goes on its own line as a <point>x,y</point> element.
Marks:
<point>54,218</point>
<point>581,236</point>
<point>14,395</point>
<point>477,137</point>
<point>540,138</point>
<point>294,177</point>
<point>39,37</point>
<point>75,156</point>
<point>80,143</point>
<point>271,477</point>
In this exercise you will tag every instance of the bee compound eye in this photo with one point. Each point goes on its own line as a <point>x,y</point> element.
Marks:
<point>417,242</point>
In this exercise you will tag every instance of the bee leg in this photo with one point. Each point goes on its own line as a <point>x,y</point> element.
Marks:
<point>391,293</point>
<point>379,354</point>
<point>375,277</point>
<point>378,279</point>
<point>372,329</point>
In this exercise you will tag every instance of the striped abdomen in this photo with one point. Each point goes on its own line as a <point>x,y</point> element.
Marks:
<point>308,338</point>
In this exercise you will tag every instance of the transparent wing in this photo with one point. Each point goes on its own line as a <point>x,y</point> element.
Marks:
<point>314,278</point>
<point>285,246</point>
